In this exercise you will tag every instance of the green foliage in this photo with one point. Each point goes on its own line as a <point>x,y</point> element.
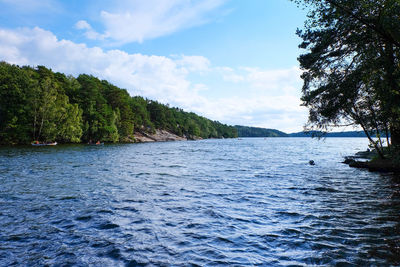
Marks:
<point>351,67</point>
<point>15,85</point>
<point>38,104</point>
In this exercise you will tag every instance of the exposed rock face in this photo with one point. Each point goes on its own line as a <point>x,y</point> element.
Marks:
<point>158,136</point>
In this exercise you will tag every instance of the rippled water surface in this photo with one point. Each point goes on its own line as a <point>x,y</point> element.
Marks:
<point>212,202</point>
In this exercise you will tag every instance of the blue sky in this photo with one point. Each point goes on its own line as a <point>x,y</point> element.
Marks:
<point>229,60</point>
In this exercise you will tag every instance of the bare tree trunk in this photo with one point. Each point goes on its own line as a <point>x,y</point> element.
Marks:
<point>35,120</point>
<point>359,121</point>
<point>34,126</point>
<point>387,137</point>
<point>41,126</point>
<point>375,123</point>
<point>380,153</point>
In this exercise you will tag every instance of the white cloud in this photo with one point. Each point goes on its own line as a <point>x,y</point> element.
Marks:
<point>83,25</point>
<point>136,20</point>
<point>273,81</point>
<point>229,75</point>
<point>89,32</point>
<point>193,63</point>
<point>279,112</point>
<point>270,98</point>
<point>269,79</point>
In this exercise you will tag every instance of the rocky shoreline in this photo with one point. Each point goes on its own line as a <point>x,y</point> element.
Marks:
<point>368,160</point>
<point>160,136</point>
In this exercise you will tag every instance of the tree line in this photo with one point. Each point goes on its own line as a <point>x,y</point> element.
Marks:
<point>245,131</point>
<point>351,68</point>
<point>39,104</point>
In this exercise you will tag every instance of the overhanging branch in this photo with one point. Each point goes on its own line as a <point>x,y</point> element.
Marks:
<point>372,26</point>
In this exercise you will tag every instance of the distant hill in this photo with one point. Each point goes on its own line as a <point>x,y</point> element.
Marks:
<point>245,131</point>
<point>333,134</point>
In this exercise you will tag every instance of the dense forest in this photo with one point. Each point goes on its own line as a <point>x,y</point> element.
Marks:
<point>39,104</point>
<point>244,131</point>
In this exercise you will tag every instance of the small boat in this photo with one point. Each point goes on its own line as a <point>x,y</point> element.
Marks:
<point>36,143</point>
<point>51,144</point>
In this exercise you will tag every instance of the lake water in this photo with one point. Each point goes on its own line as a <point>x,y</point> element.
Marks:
<point>206,203</point>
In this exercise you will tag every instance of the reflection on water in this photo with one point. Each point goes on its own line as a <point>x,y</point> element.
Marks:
<point>212,202</point>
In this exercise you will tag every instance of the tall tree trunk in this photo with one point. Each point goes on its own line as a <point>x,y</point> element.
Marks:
<point>394,97</point>
<point>388,138</point>
<point>34,127</point>
<point>40,128</point>
<point>359,121</point>
<point>395,137</point>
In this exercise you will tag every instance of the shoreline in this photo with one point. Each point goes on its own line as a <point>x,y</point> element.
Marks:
<point>138,137</point>
<point>368,160</point>
<point>167,136</point>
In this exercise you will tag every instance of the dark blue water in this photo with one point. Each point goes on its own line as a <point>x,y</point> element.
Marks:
<point>207,203</point>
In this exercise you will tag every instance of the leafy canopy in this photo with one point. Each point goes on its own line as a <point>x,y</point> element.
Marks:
<point>351,65</point>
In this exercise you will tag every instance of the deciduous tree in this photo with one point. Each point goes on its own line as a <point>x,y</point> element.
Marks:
<point>351,67</point>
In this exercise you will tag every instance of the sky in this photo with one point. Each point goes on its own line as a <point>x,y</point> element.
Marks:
<point>234,61</point>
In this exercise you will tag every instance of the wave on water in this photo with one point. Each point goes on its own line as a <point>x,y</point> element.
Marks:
<point>214,202</point>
